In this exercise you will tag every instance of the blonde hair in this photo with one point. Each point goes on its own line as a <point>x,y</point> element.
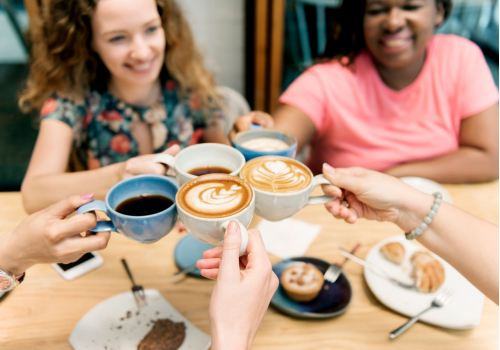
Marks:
<point>63,62</point>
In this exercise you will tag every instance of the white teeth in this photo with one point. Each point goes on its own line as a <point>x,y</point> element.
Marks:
<point>395,43</point>
<point>142,67</point>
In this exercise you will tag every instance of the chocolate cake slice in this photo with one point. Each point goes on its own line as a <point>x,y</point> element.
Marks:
<point>165,335</point>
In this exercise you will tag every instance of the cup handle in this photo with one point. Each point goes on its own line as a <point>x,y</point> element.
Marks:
<point>255,126</point>
<point>165,159</point>
<point>320,180</point>
<point>244,236</point>
<point>102,226</point>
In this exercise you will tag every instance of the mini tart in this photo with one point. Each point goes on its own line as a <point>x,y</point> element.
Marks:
<point>427,272</point>
<point>394,252</point>
<point>302,282</point>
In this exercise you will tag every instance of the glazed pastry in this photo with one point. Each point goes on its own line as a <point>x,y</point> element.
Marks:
<point>393,251</point>
<point>165,335</point>
<point>302,282</point>
<point>427,272</point>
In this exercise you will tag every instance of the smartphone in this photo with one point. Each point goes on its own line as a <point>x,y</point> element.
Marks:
<point>86,263</point>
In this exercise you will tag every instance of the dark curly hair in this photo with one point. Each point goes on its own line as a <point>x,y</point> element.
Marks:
<point>346,38</point>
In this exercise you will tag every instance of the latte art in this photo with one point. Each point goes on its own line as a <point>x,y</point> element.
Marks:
<point>265,144</point>
<point>214,196</point>
<point>276,174</point>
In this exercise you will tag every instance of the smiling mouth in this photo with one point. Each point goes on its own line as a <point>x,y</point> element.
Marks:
<point>140,68</point>
<point>395,43</point>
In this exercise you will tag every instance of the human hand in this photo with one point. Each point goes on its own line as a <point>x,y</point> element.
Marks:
<point>47,237</point>
<point>373,196</point>
<point>243,289</point>
<point>145,165</point>
<point>244,122</point>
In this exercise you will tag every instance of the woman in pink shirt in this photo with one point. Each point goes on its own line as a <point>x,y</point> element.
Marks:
<point>394,97</point>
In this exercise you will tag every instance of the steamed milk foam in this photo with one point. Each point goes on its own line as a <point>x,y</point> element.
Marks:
<point>214,196</point>
<point>276,174</point>
<point>265,144</point>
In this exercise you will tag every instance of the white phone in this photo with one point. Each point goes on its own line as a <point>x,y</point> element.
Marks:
<point>86,263</point>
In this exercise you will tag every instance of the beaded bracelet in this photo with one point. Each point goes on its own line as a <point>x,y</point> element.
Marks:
<point>438,198</point>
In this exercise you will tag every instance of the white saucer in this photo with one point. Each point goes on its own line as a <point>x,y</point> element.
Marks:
<point>106,325</point>
<point>427,186</point>
<point>462,312</point>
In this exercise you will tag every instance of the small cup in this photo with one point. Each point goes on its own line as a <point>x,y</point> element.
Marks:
<point>212,230</point>
<point>202,155</point>
<point>249,154</point>
<point>279,206</point>
<point>144,229</point>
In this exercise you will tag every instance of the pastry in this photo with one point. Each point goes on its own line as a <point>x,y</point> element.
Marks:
<point>393,251</point>
<point>165,335</point>
<point>427,272</point>
<point>302,282</point>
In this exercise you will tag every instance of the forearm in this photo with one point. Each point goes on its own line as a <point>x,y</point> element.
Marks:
<point>466,242</point>
<point>40,191</point>
<point>9,261</point>
<point>466,164</point>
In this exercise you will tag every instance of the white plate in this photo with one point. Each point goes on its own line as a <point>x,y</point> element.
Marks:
<point>462,312</point>
<point>101,327</point>
<point>427,186</point>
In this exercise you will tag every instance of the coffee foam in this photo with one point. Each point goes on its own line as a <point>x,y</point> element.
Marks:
<point>276,174</point>
<point>265,144</point>
<point>214,196</point>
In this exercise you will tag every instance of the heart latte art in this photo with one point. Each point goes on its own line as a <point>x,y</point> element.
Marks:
<point>276,174</point>
<point>214,196</point>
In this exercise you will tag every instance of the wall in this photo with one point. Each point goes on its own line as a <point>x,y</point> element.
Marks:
<point>219,29</point>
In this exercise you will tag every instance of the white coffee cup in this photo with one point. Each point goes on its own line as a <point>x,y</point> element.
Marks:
<point>212,230</point>
<point>279,206</point>
<point>202,155</point>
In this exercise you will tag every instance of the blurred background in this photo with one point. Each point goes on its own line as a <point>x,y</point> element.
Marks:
<point>256,47</point>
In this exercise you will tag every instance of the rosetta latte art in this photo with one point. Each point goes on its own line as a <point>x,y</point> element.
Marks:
<point>278,176</point>
<point>214,198</point>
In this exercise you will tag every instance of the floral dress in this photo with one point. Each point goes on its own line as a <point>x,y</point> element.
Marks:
<point>102,124</point>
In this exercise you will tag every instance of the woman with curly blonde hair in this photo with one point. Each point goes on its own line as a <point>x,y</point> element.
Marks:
<point>116,81</point>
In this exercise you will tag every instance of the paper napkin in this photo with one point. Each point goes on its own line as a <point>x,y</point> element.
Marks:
<point>288,238</point>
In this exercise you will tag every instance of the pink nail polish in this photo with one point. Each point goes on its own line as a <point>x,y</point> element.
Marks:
<point>87,196</point>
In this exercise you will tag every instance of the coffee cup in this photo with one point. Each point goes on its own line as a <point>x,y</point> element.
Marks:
<point>144,228</point>
<point>259,142</point>
<point>282,186</point>
<point>209,156</point>
<point>208,203</point>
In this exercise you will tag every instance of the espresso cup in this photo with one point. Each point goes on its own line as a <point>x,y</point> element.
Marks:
<point>208,203</point>
<point>200,156</point>
<point>282,186</point>
<point>144,229</point>
<point>259,142</point>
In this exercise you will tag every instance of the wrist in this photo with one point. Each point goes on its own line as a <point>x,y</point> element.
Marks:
<point>10,259</point>
<point>229,339</point>
<point>414,211</point>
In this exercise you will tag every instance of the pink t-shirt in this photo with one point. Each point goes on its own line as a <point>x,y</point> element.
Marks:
<point>362,122</point>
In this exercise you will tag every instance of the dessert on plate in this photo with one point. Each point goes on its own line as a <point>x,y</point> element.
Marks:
<point>427,272</point>
<point>394,252</point>
<point>302,282</point>
<point>165,335</point>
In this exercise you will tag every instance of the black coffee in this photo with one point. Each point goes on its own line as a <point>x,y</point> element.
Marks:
<point>209,170</point>
<point>145,204</point>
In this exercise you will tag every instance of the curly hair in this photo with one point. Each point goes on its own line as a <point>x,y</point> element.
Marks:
<point>346,39</point>
<point>63,62</point>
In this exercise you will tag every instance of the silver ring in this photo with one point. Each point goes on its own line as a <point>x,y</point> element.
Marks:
<point>346,204</point>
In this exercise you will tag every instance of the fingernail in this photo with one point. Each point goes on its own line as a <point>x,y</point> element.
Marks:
<point>329,169</point>
<point>87,196</point>
<point>232,228</point>
<point>182,229</point>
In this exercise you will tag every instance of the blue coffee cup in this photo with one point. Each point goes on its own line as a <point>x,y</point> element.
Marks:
<point>244,136</point>
<point>144,229</point>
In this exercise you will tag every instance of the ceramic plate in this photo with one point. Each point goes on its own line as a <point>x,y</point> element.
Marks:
<point>462,312</point>
<point>116,324</point>
<point>188,251</point>
<point>330,302</point>
<point>427,186</point>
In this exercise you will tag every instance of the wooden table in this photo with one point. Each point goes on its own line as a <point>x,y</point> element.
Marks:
<point>41,313</point>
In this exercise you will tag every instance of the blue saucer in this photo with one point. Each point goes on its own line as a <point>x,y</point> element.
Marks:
<point>330,302</point>
<point>188,251</point>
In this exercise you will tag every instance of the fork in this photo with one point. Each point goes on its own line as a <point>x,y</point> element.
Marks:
<point>441,300</point>
<point>334,270</point>
<point>378,270</point>
<point>137,291</point>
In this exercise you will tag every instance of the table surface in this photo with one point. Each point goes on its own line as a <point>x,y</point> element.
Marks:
<point>41,313</point>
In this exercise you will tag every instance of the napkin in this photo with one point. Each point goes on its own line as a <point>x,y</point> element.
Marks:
<point>287,238</point>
